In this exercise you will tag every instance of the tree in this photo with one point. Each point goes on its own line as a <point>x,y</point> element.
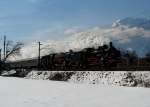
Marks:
<point>132,58</point>
<point>147,55</point>
<point>12,49</point>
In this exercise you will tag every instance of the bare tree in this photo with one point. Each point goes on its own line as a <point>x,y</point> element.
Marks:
<point>147,55</point>
<point>12,49</point>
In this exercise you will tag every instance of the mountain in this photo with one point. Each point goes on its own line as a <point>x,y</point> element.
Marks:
<point>135,22</point>
<point>141,39</point>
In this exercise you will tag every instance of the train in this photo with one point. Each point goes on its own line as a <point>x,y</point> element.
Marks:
<point>102,58</point>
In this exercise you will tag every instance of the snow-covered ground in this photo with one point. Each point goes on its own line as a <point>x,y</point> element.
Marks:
<point>17,92</point>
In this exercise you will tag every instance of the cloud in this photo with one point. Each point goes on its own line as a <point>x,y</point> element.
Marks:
<point>73,30</point>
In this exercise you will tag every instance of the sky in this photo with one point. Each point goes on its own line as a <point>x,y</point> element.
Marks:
<point>24,20</point>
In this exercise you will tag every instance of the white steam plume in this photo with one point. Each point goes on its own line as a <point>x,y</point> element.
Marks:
<point>90,38</point>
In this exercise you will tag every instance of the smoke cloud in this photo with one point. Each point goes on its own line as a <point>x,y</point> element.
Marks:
<point>122,35</point>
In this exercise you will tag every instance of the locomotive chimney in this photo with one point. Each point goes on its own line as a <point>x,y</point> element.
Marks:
<point>111,44</point>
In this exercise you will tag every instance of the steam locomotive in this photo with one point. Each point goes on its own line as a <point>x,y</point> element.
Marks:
<point>102,58</point>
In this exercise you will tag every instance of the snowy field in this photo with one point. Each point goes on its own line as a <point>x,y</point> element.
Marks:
<point>17,92</point>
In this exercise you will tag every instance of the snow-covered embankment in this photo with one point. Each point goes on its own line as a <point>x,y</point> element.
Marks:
<point>119,78</point>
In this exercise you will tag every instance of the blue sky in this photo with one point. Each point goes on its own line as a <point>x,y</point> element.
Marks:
<point>38,19</point>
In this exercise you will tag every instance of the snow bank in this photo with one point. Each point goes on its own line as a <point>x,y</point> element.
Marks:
<point>119,78</point>
<point>8,73</point>
<point>50,75</point>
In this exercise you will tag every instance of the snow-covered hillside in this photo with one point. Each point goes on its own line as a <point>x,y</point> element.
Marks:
<point>15,92</point>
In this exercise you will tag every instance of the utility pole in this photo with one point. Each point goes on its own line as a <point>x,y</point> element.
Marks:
<point>4,46</point>
<point>0,54</point>
<point>39,57</point>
